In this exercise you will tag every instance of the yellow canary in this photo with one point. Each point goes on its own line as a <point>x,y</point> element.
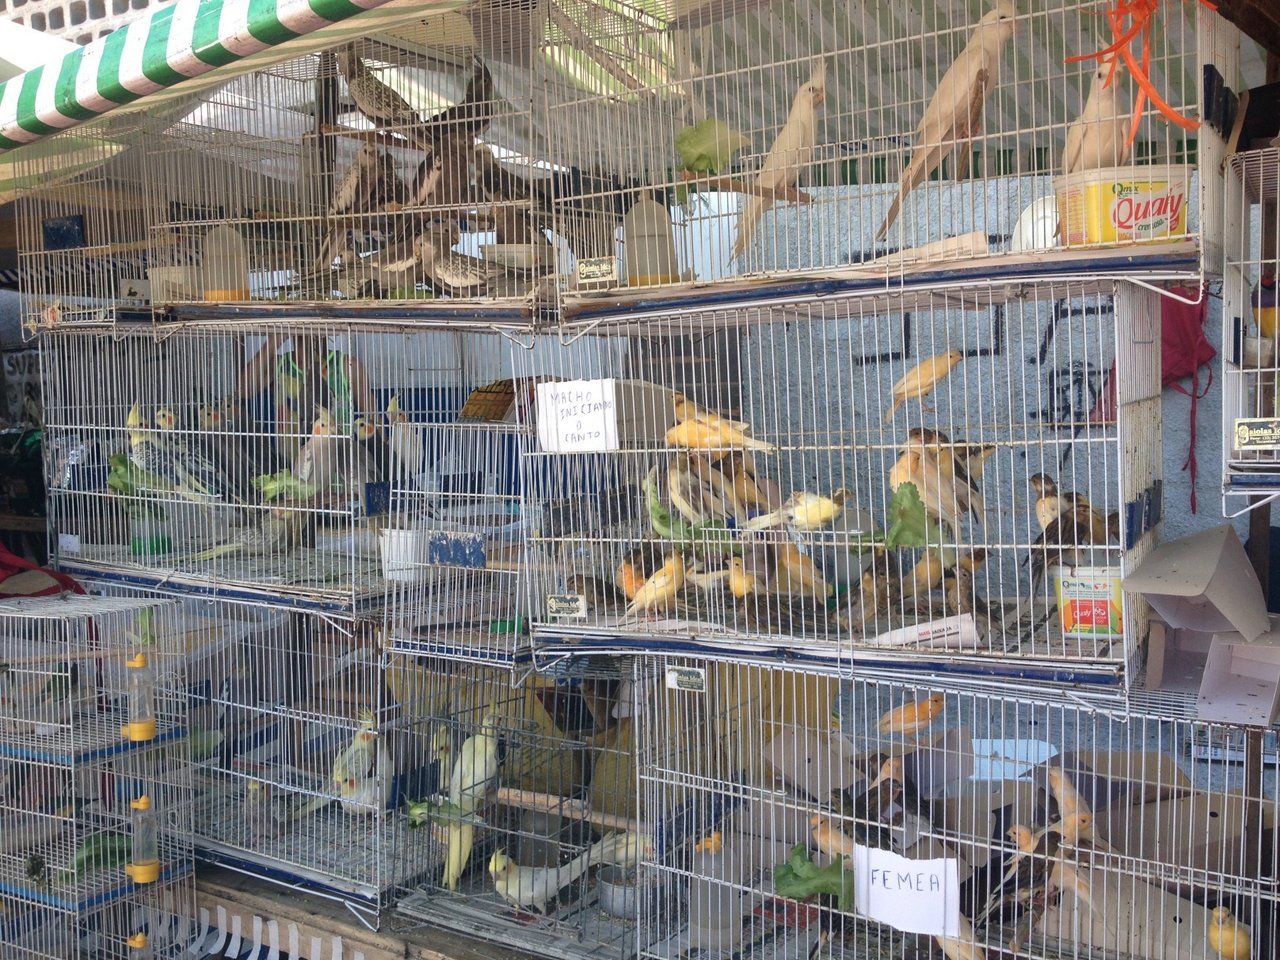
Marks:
<point>660,589</point>
<point>742,583</point>
<point>963,947</point>
<point>920,380</point>
<point>1070,803</point>
<point>799,575</point>
<point>1229,939</point>
<point>913,718</point>
<point>686,409</point>
<point>713,843</point>
<point>1073,829</point>
<point>804,511</point>
<point>829,838</point>
<point>924,576</point>
<point>697,435</point>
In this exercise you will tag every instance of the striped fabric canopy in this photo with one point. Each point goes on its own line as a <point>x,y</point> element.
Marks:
<point>182,48</point>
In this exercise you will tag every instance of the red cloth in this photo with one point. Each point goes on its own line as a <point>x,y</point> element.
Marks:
<point>51,582</point>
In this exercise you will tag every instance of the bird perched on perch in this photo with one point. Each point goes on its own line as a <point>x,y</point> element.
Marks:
<point>829,838</point>
<point>384,107</point>
<point>912,719</point>
<point>1098,137</point>
<point>954,115</point>
<point>945,496</point>
<point>661,589</point>
<point>366,186</point>
<point>474,775</point>
<point>791,153</point>
<point>1228,937</point>
<point>1067,539</point>
<point>362,771</point>
<point>720,436</point>
<point>686,409</point>
<point>804,511</point>
<point>1049,503</point>
<point>798,575</point>
<point>407,450</point>
<point>918,382</point>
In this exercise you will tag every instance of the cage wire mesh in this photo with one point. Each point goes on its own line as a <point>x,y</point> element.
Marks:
<point>1076,832</point>
<point>956,479</point>
<point>1252,308</point>
<point>95,831</point>
<point>529,825</point>
<point>269,461</point>
<point>756,139</point>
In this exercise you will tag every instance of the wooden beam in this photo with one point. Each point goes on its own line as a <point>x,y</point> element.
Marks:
<point>1259,19</point>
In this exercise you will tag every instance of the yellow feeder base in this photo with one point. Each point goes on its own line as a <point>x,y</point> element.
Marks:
<point>146,872</point>
<point>139,731</point>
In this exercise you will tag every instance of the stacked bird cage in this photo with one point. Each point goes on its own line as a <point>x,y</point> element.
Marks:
<point>806,815</point>
<point>259,462</point>
<point>1251,306</point>
<point>945,479</point>
<point>527,826</point>
<point>749,140</point>
<point>95,833</point>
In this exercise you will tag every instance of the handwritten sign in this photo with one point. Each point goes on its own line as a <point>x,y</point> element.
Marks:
<point>577,416</point>
<point>917,896</point>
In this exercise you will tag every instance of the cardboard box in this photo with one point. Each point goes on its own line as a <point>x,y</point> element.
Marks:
<point>1204,582</point>
<point>1241,682</point>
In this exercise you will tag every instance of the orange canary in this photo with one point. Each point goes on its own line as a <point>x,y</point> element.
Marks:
<point>913,718</point>
<point>919,381</point>
<point>829,838</point>
<point>629,578</point>
<point>1229,939</point>
<point>1074,828</point>
<point>924,576</point>
<point>798,575</point>
<point>713,843</point>
<point>697,435</point>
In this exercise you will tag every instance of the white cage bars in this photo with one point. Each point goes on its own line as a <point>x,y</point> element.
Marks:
<point>95,834</point>
<point>529,829</point>
<point>797,507</point>
<point>357,173</point>
<point>760,783</point>
<point>1251,323</point>
<point>259,462</point>
<point>777,138</point>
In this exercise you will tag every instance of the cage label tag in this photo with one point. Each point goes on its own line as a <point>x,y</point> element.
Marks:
<point>688,679</point>
<point>916,896</point>
<point>577,416</point>
<point>566,605</point>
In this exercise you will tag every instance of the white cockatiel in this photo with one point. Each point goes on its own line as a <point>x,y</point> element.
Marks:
<point>407,451</point>
<point>791,153</point>
<point>1097,137</point>
<point>474,774</point>
<point>532,888</point>
<point>954,115</point>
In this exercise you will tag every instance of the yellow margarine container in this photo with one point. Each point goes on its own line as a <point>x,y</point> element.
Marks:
<point>1123,204</point>
<point>1089,601</point>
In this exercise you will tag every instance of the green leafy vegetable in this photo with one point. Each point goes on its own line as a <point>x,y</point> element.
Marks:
<point>800,878</point>
<point>708,146</point>
<point>909,524</point>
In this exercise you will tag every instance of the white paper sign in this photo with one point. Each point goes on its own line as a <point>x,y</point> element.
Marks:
<point>577,416</point>
<point>917,896</point>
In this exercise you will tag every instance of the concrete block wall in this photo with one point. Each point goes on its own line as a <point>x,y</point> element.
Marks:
<point>79,21</point>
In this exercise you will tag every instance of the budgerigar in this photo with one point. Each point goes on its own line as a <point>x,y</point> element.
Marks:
<point>791,153</point>
<point>954,115</point>
<point>474,774</point>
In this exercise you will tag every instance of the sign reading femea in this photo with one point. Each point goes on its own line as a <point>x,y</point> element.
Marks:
<point>577,416</point>
<point>918,896</point>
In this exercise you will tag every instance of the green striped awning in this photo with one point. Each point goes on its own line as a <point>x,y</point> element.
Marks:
<point>179,49</point>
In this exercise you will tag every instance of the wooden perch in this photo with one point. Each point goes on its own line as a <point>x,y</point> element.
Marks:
<point>550,803</point>
<point>782,194</point>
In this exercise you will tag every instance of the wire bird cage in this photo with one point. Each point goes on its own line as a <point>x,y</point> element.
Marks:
<point>949,480</point>
<point>454,544</point>
<point>770,140</point>
<point>1057,829</point>
<point>529,830</point>
<point>95,830</point>
<point>269,462</point>
<point>1251,305</point>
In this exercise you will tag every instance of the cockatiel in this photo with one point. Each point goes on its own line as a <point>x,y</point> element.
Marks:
<point>954,115</point>
<point>407,449</point>
<point>277,531</point>
<point>362,772</point>
<point>332,458</point>
<point>163,467</point>
<point>1098,137</point>
<point>192,462</point>
<point>532,888</point>
<point>474,775</point>
<point>224,441</point>
<point>791,153</point>
<point>259,812</point>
